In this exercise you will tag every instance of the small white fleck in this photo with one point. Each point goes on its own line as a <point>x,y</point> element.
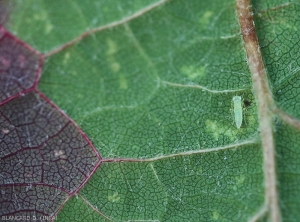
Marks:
<point>5,131</point>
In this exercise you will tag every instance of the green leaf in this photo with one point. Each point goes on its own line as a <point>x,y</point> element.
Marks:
<point>151,84</point>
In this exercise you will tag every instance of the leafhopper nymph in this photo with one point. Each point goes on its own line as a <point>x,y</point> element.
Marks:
<point>238,111</point>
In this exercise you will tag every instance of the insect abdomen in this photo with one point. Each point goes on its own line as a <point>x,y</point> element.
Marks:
<point>238,111</point>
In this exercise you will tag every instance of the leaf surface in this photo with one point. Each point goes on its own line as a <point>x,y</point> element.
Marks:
<point>151,85</point>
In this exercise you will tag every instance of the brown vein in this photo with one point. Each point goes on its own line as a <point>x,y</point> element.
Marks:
<point>264,101</point>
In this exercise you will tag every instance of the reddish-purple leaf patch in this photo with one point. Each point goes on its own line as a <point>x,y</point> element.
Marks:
<point>30,202</point>
<point>20,66</point>
<point>5,7</point>
<point>45,158</point>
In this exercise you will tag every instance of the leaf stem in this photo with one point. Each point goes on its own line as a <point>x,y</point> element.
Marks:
<point>265,103</point>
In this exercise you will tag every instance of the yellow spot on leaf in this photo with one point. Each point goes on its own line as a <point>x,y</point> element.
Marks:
<point>48,28</point>
<point>240,179</point>
<point>216,215</point>
<point>41,15</point>
<point>123,82</point>
<point>111,50</point>
<point>193,72</point>
<point>112,47</point>
<point>204,20</point>
<point>114,198</point>
<point>218,130</point>
<point>212,127</point>
<point>66,57</point>
<point>115,66</point>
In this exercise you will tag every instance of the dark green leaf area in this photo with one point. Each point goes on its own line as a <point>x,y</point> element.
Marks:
<point>267,4</point>
<point>278,32</point>
<point>209,63</point>
<point>59,22</point>
<point>125,65</point>
<point>176,120</point>
<point>77,209</point>
<point>190,45</point>
<point>170,189</point>
<point>105,77</point>
<point>288,167</point>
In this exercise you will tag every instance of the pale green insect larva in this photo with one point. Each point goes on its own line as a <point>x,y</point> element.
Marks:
<point>238,111</point>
